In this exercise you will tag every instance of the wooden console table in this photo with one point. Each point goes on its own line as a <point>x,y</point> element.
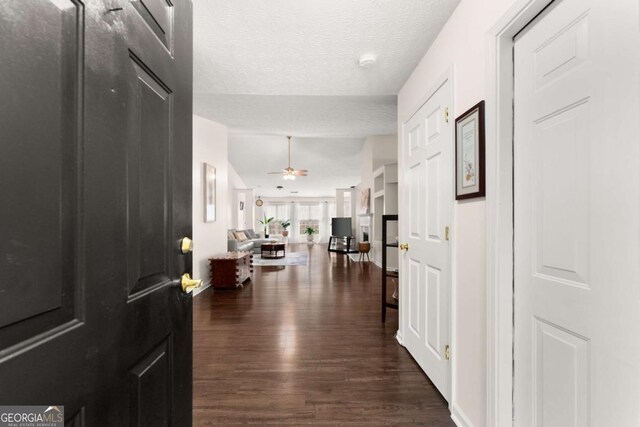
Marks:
<point>230,269</point>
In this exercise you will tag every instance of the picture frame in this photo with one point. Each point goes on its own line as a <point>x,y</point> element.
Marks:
<point>470,153</point>
<point>209,193</point>
<point>364,201</point>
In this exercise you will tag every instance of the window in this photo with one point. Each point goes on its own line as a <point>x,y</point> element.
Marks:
<point>279,212</point>
<point>309,216</point>
<point>346,207</point>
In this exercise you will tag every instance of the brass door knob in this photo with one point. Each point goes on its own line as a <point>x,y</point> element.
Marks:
<point>404,246</point>
<point>189,284</point>
<point>186,245</point>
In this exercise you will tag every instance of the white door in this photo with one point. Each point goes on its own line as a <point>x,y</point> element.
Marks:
<point>577,216</point>
<point>425,272</point>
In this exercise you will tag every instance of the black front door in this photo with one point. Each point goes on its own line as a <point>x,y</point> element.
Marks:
<point>95,195</point>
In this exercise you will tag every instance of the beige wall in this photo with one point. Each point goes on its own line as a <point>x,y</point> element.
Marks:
<point>209,238</point>
<point>462,45</point>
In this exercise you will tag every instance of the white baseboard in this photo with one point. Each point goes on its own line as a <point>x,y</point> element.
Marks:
<point>458,417</point>
<point>206,285</point>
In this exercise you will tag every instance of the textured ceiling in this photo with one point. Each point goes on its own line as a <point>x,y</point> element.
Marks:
<point>282,67</point>
<point>332,116</point>
<point>311,47</point>
<point>332,163</point>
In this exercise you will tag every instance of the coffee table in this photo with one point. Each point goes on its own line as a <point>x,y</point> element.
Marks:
<point>271,250</point>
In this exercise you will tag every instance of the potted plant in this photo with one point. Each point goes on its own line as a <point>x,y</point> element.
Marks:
<point>265,222</point>
<point>285,227</point>
<point>310,231</point>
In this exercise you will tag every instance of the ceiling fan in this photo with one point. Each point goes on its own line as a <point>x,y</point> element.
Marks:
<point>290,173</point>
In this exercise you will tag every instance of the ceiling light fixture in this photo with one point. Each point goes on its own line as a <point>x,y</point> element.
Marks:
<point>290,173</point>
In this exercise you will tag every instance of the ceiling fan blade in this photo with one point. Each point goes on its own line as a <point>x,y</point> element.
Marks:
<point>275,173</point>
<point>301,170</point>
<point>300,173</point>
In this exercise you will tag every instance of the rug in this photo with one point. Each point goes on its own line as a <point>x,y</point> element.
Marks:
<point>356,257</point>
<point>291,258</point>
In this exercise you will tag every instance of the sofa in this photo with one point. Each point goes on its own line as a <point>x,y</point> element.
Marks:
<point>251,243</point>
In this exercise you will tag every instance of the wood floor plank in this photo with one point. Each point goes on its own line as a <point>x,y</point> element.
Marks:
<point>303,345</point>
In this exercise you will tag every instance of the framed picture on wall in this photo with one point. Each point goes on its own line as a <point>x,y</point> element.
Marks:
<point>470,173</point>
<point>209,193</point>
<point>364,201</point>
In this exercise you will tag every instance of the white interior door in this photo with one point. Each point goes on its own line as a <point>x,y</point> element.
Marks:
<point>577,216</point>
<point>425,273</point>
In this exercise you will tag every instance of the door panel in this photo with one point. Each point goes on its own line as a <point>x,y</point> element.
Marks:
<point>148,180</point>
<point>150,388</point>
<point>433,198</point>
<point>577,216</point>
<point>562,194</point>
<point>560,354</point>
<point>428,189</point>
<point>416,312</point>
<point>433,303</point>
<point>41,233</point>
<point>416,179</point>
<point>95,157</point>
<point>158,14</point>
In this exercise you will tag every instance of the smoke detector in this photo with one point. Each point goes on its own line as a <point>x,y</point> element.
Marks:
<point>367,60</point>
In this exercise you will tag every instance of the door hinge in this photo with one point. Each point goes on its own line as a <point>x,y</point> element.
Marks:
<point>447,352</point>
<point>446,114</point>
<point>446,233</point>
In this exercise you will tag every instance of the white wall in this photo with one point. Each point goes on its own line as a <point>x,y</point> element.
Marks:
<point>462,44</point>
<point>377,150</point>
<point>210,146</point>
<point>238,190</point>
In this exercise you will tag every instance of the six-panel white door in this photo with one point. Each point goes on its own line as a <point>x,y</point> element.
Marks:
<point>577,216</point>
<point>425,267</point>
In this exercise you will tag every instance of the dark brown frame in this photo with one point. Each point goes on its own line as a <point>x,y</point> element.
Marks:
<point>479,107</point>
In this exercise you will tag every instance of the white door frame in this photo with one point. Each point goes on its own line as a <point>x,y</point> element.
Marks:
<point>402,172</point>
<point>499,208</point>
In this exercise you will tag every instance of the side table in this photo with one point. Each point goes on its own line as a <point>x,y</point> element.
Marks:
<point>271,250</point>
<point>230,269</point>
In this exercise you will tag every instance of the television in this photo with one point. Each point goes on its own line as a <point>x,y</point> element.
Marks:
<point>341,227</point>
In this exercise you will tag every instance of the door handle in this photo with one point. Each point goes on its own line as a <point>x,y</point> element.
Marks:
<point>188,284</point>
<point>404,246</point>
<point>186,245</point>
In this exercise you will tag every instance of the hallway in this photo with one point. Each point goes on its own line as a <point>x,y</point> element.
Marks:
<point>304,345</point>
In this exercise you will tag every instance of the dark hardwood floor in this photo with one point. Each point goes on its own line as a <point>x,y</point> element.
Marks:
<point>305,346</point>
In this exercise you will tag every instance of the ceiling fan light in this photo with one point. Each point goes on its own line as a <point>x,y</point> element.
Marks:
<point>289,174</point>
